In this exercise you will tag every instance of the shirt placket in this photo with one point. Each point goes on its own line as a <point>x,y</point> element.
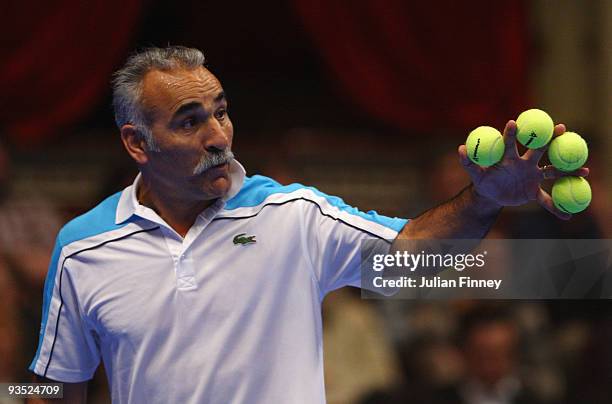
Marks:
<point>183,263</point>
<point>179,248</point>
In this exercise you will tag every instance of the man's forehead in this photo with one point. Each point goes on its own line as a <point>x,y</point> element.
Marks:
<point>168,88</point>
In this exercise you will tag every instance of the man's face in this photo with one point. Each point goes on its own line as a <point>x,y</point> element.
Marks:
<point>490,351</point>
<point>187,114</point>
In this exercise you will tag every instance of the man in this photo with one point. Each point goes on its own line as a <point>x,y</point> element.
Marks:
<point>489,341</point>
<point>199,285</point>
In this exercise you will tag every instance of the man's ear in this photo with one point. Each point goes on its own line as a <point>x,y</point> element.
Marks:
<point>134,143</point>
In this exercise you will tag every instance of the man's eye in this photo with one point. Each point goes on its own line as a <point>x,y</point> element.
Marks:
<point>220,114</point>
<point>188,123</point>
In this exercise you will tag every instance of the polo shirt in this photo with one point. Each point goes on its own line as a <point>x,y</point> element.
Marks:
<point>231,313</point>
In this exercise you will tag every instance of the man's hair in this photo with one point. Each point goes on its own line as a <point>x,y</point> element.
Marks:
<point>480,316</point>
<point>127,83</point>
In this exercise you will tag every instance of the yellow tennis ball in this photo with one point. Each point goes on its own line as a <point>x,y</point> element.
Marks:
<point>568,152</point>
<point>485,146</point>
<point>571,194</point>
<point>534,128</point>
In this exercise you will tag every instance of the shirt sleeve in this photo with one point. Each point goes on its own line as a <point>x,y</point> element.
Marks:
<point>67,350</point>
<point>335,235</point>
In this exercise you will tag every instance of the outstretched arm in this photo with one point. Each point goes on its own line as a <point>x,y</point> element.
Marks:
<point>514,181</point>
<point>467,215</point>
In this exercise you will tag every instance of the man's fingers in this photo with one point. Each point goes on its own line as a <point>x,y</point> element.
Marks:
<point>534,155</point>
<point>551,173</point>
<point>559,130</point>
<point>473,170</point>
<point>510,151</point>
<point>546,202</point>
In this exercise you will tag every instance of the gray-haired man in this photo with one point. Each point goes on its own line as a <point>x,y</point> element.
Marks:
<point>198,284</point>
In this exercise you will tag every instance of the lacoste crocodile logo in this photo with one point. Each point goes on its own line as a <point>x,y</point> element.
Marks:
<point>243,239</point>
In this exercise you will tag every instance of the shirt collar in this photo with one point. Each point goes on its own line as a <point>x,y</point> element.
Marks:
<point>128,202</point>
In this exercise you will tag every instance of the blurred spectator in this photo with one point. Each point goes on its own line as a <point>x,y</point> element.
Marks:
<point>8,316</point>
<point>445,177</point>
<point>28,225</point>
<point>358,356</point>
<point>426,363</point>
<point>592,377</point>
<point>489,342</point>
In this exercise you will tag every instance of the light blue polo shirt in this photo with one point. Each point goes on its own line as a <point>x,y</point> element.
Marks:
<point>231,313</point>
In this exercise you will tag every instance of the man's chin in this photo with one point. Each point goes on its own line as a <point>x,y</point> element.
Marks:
<point>219,186</point>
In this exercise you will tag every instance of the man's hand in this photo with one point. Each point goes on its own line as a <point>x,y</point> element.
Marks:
<point>516,179</point>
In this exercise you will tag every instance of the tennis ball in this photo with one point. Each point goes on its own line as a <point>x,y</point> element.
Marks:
<point>534,128</point>
<point>568,152</point>
<point>571,194</point>
<point>485,146</point>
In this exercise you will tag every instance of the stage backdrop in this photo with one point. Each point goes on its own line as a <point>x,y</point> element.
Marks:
<point>421,67</point>
<point>57,60</point>
<point>425,66</point>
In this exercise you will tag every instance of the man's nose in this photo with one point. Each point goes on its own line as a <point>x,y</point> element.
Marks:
<point>216,139</point>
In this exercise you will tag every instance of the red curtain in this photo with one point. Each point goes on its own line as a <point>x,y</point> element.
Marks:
<point>425,66</point>
<point>57,60</point>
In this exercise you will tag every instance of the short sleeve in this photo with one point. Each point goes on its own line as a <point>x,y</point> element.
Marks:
<point>335,233</point>
<point>68,350</point>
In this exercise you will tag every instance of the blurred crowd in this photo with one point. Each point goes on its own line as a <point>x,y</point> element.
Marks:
<point>471,352</point>
<point>476,351</point>
<point>27,233</point>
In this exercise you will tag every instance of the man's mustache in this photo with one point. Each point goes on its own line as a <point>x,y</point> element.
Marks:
<point>211,159</point>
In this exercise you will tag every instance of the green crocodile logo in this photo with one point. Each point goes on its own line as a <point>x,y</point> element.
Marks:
<point>243,239</point>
